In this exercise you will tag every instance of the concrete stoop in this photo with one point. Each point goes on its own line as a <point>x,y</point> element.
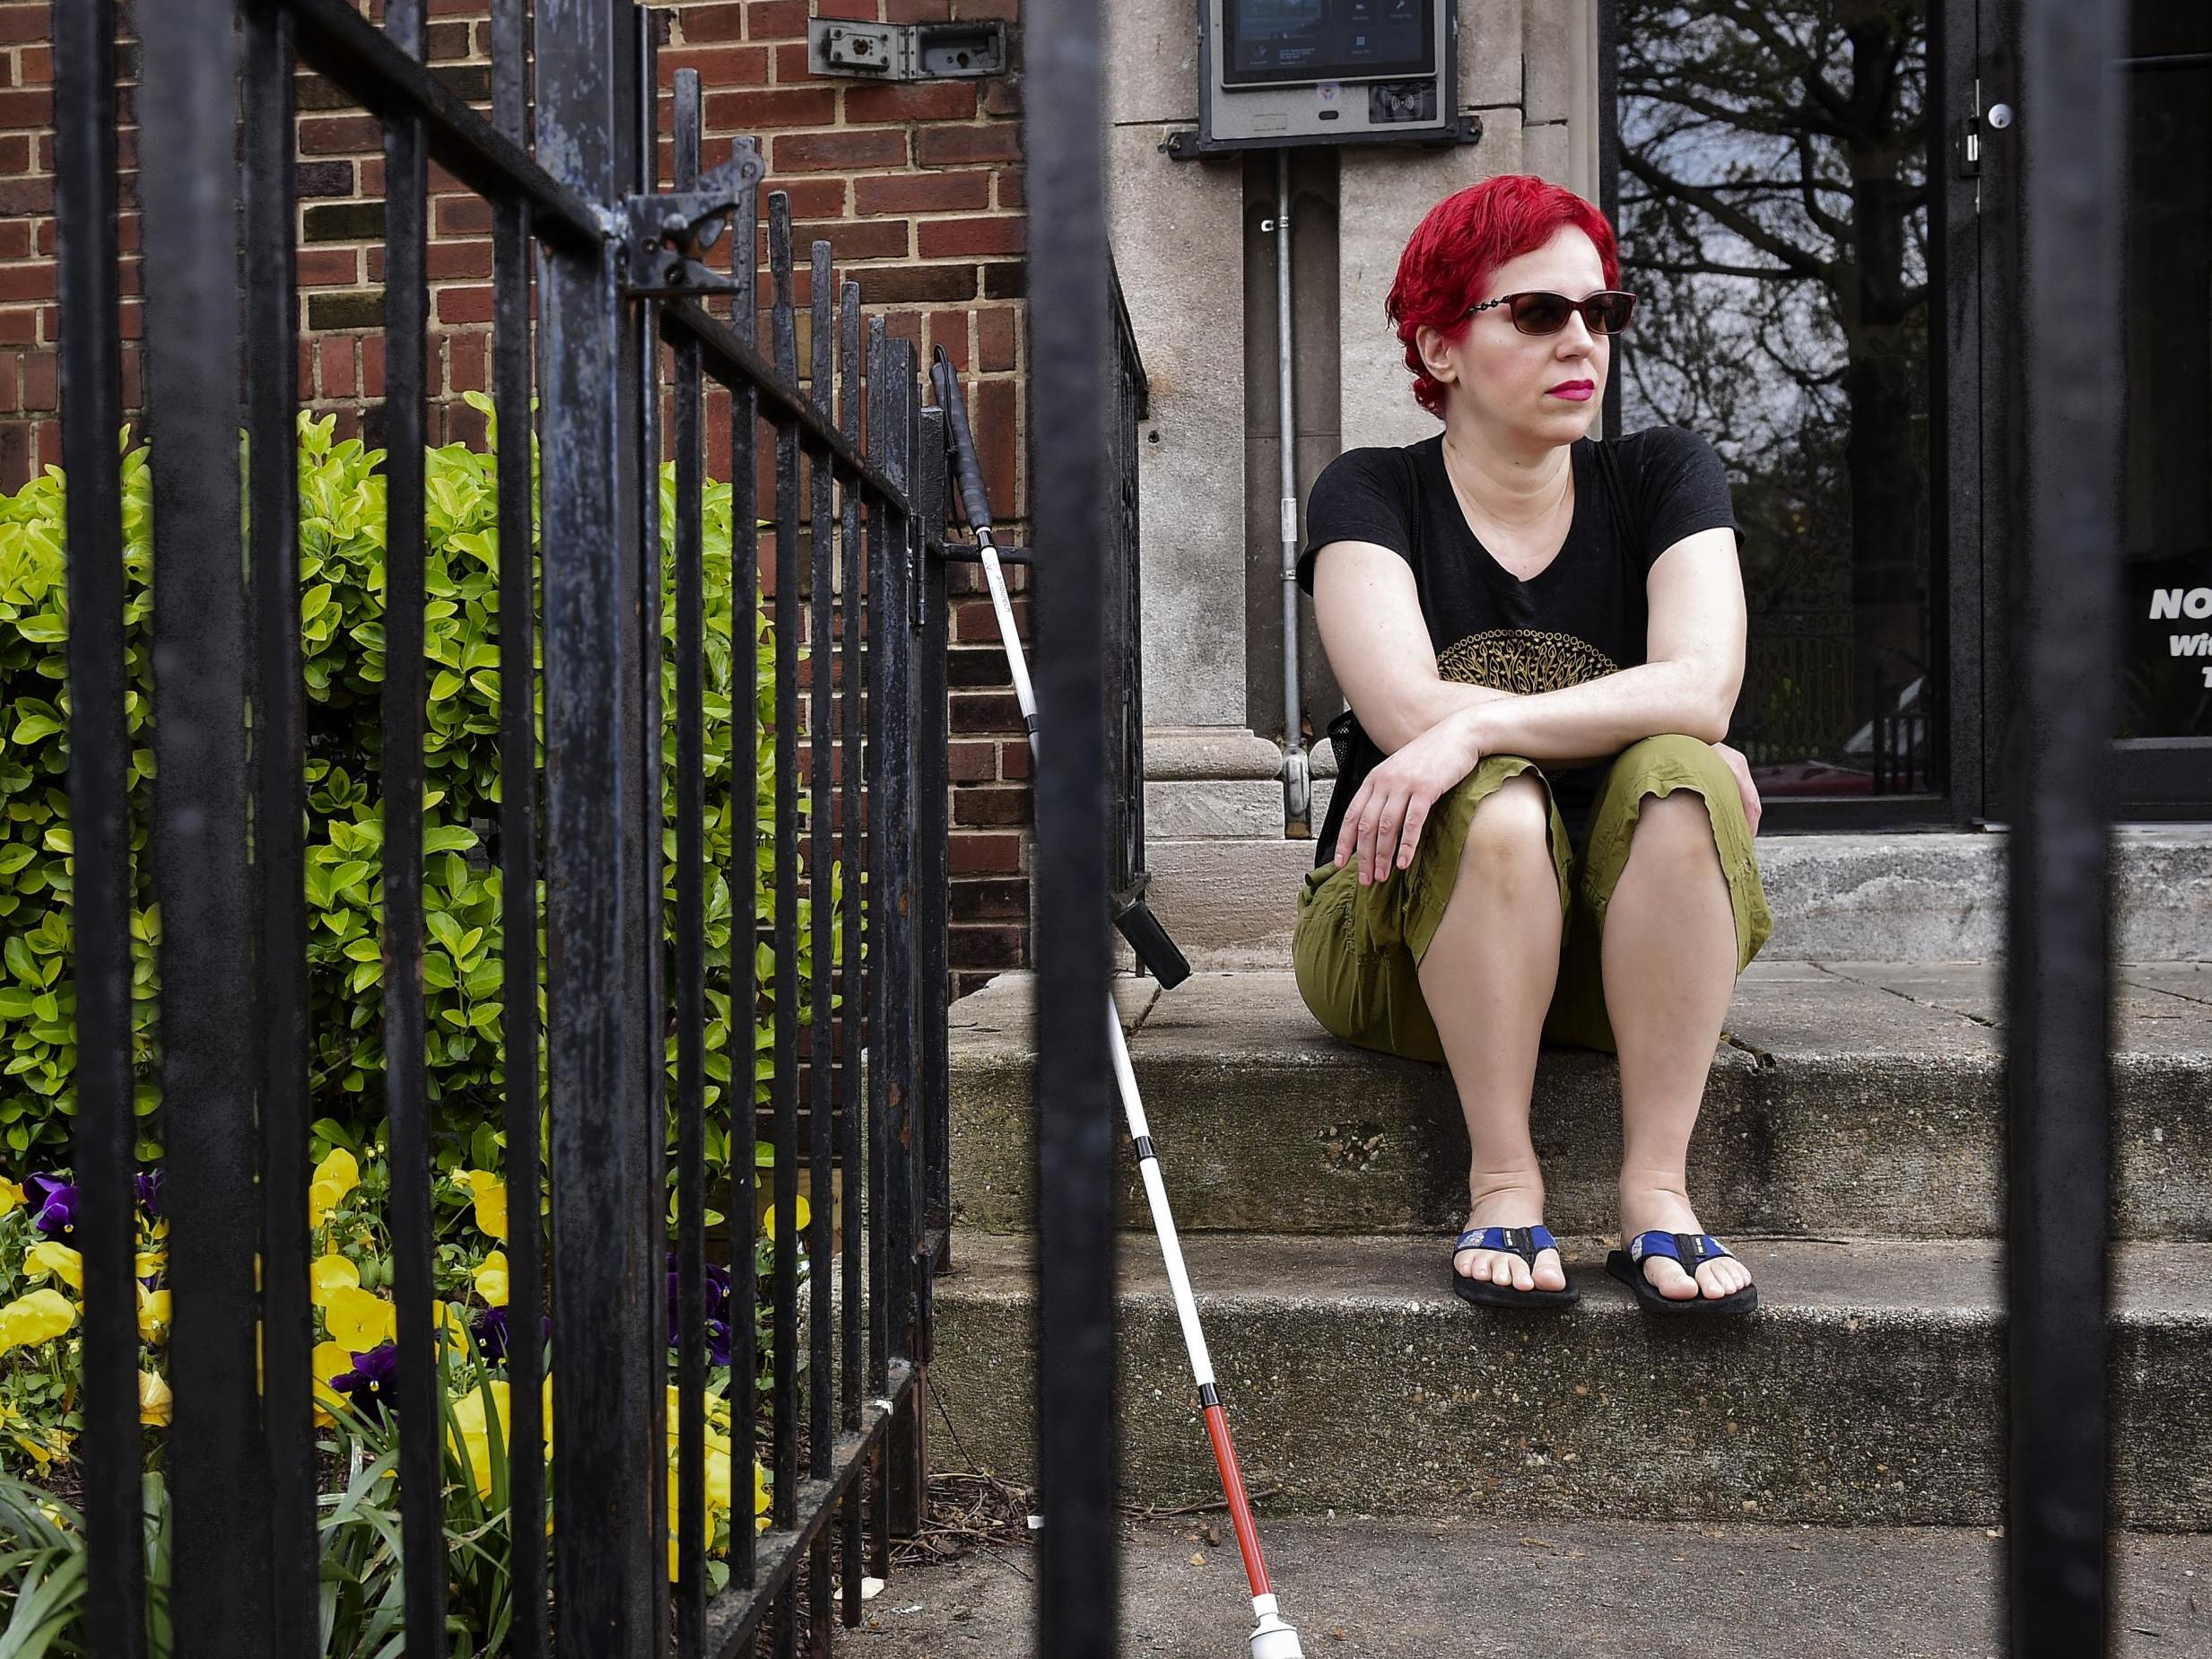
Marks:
<point>1850,1150</point>
<point>1486,1585</point>
<point>1230,897</point>
<point>1846,1098</point>
<point>1865,1390</point>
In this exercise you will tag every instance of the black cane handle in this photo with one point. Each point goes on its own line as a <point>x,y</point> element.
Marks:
<point>973,502</point>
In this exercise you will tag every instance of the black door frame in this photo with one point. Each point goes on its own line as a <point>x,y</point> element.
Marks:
<point>2158,779</point>
<point>1976,400</point>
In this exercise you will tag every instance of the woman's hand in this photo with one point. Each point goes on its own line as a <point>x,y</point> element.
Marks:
<point>1742,769</point>
<point>1382,822</point>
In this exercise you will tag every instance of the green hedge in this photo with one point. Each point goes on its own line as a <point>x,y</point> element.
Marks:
<point>342,636</point>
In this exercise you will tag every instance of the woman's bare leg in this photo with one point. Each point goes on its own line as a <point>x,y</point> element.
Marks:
<point>1488,977</point>
<point>1668,954</point>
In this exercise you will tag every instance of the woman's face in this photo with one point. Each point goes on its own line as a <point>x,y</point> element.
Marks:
<point>1504,381</point>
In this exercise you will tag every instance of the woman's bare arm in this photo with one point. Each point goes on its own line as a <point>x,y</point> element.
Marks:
<point>1368,612</point>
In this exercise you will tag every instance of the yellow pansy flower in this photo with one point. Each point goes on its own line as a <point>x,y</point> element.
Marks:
<point>334,1178</point>
<point>46,1257</point>
<point>11,1196</point>
<point>331,1274</point>
<point>358,1320</point>
<point>805,1215</point>
<point>150,1263</point>
<point>153,1398</point>
<point>153,1316</point>
<point>468,1421</point>
<point>491,1278</point>
<point>330,1359</point>
<point>38,1317</point>
<point>759,1497</point>
<point>491,1195</point>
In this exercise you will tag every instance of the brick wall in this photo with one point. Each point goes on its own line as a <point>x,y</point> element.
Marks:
<point>919,186</point>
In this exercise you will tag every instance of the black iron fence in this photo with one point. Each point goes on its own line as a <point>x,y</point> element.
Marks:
<point>622,268</point>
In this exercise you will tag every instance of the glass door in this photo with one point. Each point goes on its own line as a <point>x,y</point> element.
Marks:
<point>2165,724</point>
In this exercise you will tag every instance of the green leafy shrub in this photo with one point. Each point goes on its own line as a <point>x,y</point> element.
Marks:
<point>341,495</point>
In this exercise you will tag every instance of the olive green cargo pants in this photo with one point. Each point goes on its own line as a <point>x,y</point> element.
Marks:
<point>1355,949</point>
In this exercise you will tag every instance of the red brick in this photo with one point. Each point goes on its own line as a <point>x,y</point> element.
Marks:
<point>950,330</point>
<point>446,261</point>
<point>750,111</point>
<point>1012,188</point>
<point>334,360</point>
<point>918,11</point>
<point>19,109</point>
<point>1002,95</point>
<point>922,193</point>
<point>712,23</point>
<point>18,327</point>
<point>1002,900</point>
<point>718,66</point>
<point>461,215</point>
<point>949,238</point>
<point>991,412</point>
<point>776,20</point>
<point>849,11</point>
<point>15,153</point>
<point>464,305</point>
<point>464,362</point>
<point>990,10</point>
<point>920,101</point>
<point>41,380</point>
<point>994,332</point>
<point>875,238</point>
<point>26,281</point>
<point>791,63</point>
<point>371,365</point>
<point>910,284</point>
<point>342,134</point>
<point>329,267</point>
<point>15,238</point>
<point>812,199</point>
<point>984,855</point>
<point>25,22</point>
<point>981,712</point>
<point>972,762</point>
<point>956,146</point>
<point>1015,758</point>
<point>816,152</point>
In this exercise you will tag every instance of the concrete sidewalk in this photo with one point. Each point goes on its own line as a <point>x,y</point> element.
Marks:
<point>1562,1590</point>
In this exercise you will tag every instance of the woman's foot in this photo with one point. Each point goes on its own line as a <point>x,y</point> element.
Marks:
<point>1644,1209</point>
<point>1514,1205</point>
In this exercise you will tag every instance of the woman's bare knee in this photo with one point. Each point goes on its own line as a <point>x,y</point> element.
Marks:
<point>1509,827</point>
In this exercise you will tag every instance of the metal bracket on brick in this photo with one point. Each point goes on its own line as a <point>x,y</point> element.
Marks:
<point>905,51</point>
<point>664,233</point>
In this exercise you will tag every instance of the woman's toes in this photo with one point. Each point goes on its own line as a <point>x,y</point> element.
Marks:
<point>1667,1274</point>
<point>1549,1275</point>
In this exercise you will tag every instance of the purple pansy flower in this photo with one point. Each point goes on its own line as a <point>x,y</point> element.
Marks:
<point>715,1300</point>
<point>57,1209</point>
<point>148,1188</point>
<point>492,1331</point>
<point>369,1382</point>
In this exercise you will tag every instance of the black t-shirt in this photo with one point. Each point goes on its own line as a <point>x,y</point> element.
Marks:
<point>1581,616</point>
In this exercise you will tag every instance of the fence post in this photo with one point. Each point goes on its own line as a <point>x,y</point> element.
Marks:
<point>2063,624</point>
<point>610,1567</point>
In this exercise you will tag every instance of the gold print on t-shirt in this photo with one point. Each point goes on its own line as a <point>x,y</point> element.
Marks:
<point>1523,660</point>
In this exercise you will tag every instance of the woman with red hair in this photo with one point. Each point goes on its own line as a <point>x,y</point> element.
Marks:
<point>1536,831</point>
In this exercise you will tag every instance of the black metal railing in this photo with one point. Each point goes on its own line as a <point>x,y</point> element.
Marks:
<point>1123,610</point>
<point>621,272</point>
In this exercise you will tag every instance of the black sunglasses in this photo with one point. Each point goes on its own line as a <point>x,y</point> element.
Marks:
<point>1605,312</point>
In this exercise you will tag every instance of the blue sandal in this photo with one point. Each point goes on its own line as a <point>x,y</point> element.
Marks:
<point>1688,1249</point>
<point>1525,1242</point>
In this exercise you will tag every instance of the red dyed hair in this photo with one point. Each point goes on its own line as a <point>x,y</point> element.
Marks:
<point>1463,240</point>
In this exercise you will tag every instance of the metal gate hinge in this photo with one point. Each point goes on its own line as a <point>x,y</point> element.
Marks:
<point>663,233</point>
<point>905,51</point>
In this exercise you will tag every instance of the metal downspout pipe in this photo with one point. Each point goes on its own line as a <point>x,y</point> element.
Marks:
<point>1297,773</point>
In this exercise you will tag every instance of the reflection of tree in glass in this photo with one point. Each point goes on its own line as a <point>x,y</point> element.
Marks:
<point>1775,208</point>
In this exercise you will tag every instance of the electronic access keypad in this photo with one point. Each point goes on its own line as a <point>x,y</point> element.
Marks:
<point>1277,72</point>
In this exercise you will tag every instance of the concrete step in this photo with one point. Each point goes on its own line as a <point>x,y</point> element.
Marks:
<point>1483,1586</point>
<point>1919,897</point>
<point>1219,808</point>
<point>1861,1099</point>
<point>1865,1390</point>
